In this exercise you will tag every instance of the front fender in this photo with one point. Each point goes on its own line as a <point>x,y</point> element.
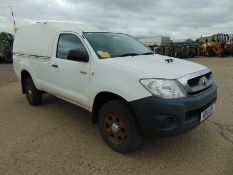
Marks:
<point>117,80</point>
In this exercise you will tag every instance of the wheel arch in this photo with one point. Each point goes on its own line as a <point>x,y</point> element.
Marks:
<point>24,75</point>
<point>101,98</point>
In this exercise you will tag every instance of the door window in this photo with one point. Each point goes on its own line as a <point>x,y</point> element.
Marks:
<point>66,43</point>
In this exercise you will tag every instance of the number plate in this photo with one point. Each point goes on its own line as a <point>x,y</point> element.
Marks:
<point>206,113</point>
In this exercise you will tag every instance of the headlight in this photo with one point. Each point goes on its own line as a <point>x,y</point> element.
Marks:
<point>164,88</point>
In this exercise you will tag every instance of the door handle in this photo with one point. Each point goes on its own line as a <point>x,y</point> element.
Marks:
<point>83,72</point>
<point>55,65</point>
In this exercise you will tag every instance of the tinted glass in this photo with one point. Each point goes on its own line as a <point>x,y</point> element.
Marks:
<point>66,43</point>
<point>115,44</point>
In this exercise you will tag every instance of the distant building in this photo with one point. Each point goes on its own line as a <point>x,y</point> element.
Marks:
<point>183,41</point>
<point>155,40</point>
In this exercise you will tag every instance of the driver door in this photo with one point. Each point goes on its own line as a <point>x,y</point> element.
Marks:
<point>71,79</point>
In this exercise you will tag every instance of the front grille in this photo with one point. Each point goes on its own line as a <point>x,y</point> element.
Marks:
<point>200,91</point>
<point>196,86</point>
<point>195,81</point>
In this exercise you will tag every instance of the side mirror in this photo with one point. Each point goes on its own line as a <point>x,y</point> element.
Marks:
<point>78,55</point>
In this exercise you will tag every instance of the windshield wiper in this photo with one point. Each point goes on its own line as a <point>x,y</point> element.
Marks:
<point>148,53</point>
<point>128,54</point>
<point>135,54</point>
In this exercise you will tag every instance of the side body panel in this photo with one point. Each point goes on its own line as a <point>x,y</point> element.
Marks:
<point>38,68</point>
<point>70,79</point>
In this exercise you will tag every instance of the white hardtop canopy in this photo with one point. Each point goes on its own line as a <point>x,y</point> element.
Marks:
<point>37,39</point>
<point>67,26</point>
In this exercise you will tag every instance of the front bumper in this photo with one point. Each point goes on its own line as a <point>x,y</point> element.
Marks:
<point>170,117</point>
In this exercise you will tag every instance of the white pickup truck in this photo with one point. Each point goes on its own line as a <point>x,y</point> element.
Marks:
<point>130,91</point>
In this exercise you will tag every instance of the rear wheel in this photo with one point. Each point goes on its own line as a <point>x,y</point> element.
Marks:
<point>118,127</point>
<point>34,96</point>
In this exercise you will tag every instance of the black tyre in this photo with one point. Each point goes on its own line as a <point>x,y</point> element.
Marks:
<point>118,127</point>
<point>34,96</point>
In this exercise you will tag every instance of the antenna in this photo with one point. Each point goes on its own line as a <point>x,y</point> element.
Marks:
<point>12,14</point>
<point>13,17</point>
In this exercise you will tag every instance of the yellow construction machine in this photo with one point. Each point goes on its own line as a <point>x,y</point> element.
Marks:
<point>228,49</point>
<point>212,45</point>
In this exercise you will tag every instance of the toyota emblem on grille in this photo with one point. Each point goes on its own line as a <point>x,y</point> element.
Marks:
<point>203,81</point>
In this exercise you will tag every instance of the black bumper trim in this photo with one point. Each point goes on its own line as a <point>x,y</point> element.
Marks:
<point>170,117</point>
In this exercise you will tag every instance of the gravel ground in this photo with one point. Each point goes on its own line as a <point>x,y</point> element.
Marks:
<point>58,137</point>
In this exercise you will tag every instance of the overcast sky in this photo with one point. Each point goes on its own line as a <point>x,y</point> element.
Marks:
<point>174,18</point>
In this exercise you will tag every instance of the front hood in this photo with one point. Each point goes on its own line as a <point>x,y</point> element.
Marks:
<point>157,66</point>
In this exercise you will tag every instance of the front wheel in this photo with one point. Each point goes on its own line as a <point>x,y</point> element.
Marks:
<point>118,126</point>
<point>34,96</point>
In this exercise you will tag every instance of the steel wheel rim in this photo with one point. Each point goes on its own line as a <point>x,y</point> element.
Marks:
<point>29,92</point>
<point>115,128</point>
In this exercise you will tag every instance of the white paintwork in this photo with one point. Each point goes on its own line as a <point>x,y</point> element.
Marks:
<point>37,39</point>
<point>116,75</point>
<point>155,66</point>
<point>67,81</point>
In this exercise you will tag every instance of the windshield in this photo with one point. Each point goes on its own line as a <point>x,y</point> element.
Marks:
<point>110,45</point>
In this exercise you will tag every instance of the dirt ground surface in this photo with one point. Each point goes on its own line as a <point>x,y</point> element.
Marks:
<point>59,138</point>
